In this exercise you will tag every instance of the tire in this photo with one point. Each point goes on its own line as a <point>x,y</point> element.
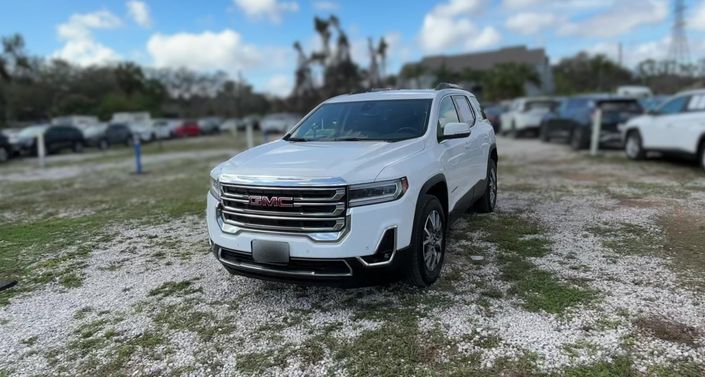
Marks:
<point>577,139</point>
<point>4,155</point>
<point>515,133</point>
<point>702,154</point>
<point>488,201</point>
<point>103,145</point>
<point>78,147</point>
<point>633,146</point>
<point>422,271</point>
<point>543,134</point>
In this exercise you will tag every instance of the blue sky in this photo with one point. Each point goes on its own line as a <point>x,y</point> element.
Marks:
<point>255,36</point>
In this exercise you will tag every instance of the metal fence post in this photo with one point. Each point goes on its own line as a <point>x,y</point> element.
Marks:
<point>250,137</point>
<point>596,128</point>
<point>41,149</point>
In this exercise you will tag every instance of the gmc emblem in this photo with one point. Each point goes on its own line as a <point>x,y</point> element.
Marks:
<point>274,201</point>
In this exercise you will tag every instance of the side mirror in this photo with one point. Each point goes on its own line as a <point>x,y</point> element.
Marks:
<point>456,130</point>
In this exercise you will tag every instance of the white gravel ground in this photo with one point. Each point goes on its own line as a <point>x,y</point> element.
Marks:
<point>250,316</point>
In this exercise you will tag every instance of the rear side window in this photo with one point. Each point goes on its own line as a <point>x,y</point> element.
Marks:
<point>467,115</point>
<point>697,103</point>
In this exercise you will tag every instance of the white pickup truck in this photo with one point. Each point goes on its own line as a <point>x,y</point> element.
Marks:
<point>676,127</point>
<point>364,186</point>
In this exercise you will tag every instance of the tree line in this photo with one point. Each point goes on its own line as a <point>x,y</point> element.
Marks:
<point>35,89</point>
<point>582,73</point>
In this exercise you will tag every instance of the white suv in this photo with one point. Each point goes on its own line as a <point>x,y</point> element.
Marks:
<point>525,115</point>
<point>676,127</point>
<point>364,186</point>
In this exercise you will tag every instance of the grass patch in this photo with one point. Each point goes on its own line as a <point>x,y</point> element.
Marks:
<point>172,288</point>
<point>685,236</point>
<point>519,239</point>
<point>620,366</point>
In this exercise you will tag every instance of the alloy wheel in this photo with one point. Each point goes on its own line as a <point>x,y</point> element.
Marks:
<point>433,240</point>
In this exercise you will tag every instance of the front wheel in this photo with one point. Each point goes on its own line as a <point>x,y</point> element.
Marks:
<point>702,154</point>
<point>545,137</point>
<point>427,251</point>
<point>488,200</point>
<point>577,140</point>
<point>633,146</point>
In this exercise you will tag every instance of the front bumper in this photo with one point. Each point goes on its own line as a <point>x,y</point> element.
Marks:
<point>337,272</point>
<point>356,246</point>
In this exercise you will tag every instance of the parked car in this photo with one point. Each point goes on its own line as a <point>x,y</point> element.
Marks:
<point>140,124</point>
<point>56,139</point>
<point>232,124</point>
<point>114,134</point>
<point>94,135</point>
<point>525,115</point>
<point>6,150</point>
<point>676,127</point>
<point>494,113</point>
<point>364,187</point>
<point>279,122</point>
<point>165,128</point>
<point>252,120</point>
<point>187,128</point>
<point>634,91</point>
<point>209,126</point>
<point>573,120</point>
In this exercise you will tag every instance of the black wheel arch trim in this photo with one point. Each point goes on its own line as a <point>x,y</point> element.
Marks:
<point>434,180</point>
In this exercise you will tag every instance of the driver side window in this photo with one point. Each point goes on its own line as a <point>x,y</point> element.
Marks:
<point>446,114</point>
<point>674,106</point>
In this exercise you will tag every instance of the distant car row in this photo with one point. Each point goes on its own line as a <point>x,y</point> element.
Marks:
<point>669,125</point>
<point>77,132</point>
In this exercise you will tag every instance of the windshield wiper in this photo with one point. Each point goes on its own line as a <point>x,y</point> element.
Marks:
<point>301,139</point>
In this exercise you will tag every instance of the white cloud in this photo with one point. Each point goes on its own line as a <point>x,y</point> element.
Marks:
<point>449,25</point>
<point>139,12</point>
<point>80,46</point>
<point>279,85</point>
<point>325,5</point>
<point>565,4</point>
<point>623,17</point>
<point>530,22</point>
<point>205,51</point>
<point>272,9</point>
<point>697,19</point>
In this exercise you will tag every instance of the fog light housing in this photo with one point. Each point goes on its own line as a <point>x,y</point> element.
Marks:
<point>385,250</point>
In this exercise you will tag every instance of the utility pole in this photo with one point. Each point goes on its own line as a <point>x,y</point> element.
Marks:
<point>678,52</point>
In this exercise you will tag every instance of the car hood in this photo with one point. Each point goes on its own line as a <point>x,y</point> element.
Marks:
<point>353,162</point>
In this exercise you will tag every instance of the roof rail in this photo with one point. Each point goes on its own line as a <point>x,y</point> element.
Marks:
<point>370,90</point>
<point>447,85</point>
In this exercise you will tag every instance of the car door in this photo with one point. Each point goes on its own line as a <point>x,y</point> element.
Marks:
<point>452,151</point>
<point>474,165</point>
<point>52,139</point>
<point>658,133</point>
<point>686,130</point>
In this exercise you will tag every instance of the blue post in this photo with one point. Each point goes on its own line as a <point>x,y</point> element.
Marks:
<point>138,154</point>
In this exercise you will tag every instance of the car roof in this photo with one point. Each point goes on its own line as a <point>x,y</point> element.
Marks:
<point>691,92</point>
<point>380,95</point>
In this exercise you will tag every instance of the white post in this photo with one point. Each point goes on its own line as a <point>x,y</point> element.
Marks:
<point>41,149</point>
<point>250,137</point>
<point>596,128</point>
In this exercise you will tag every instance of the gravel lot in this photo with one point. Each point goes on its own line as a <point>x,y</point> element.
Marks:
<point>591,267</point>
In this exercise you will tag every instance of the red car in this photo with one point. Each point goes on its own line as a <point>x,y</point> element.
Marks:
<point>188,128</point>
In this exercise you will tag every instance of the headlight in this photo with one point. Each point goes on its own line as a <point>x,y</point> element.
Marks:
<point>377,192</point>
<point>215,188</point>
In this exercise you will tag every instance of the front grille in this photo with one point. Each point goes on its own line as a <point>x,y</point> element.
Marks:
<point>287,209</point>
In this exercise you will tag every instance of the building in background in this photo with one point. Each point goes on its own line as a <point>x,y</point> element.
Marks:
<point>424,74</point>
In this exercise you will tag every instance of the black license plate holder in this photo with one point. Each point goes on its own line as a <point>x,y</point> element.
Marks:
<point>270,252</point>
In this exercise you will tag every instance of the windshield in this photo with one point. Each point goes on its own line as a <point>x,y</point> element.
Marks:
<point>31,131</point>
<point>387,120</point>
